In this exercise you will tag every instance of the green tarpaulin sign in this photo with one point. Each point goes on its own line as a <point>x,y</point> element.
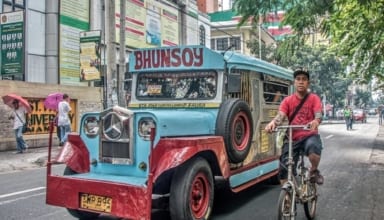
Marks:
<point>12,42</point>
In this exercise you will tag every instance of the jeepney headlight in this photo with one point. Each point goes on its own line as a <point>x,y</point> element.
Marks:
<point>145,125</point>
<point>91,126</point>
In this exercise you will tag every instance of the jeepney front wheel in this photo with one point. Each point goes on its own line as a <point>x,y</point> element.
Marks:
<point>192,191</point>
<point>78,213</point>
<point>234,123</point>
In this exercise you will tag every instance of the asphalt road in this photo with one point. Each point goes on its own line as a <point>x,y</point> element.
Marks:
<point>352,164</point>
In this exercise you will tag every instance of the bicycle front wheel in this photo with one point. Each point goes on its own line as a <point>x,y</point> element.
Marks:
<point>285,204</point>
<point>310,204</point>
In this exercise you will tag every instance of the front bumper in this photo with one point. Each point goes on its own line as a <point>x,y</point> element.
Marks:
<point>128,201</point>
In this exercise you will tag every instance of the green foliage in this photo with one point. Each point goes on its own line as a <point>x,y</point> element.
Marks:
<point>327,77</point>
<point>362,99</point>
<point>355,27</point>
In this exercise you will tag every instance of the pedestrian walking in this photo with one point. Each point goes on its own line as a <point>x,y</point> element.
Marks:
<point>56,120</point>
<point>348,117</point>
<point>63,119</point>
<point>381,116</point>
<point>19,119</point>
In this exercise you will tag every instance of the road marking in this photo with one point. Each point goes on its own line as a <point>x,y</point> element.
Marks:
<point>329,136</point>
<point>21,192</point>
<point>17,199</point>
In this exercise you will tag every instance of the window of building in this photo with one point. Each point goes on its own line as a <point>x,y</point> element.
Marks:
<point>13,5</point>
<point>213,45</point>
<point>202,35</point>
<point>225,42</point>
<point>235,42</point>
<point>7,8</point>
<point>222,43</point>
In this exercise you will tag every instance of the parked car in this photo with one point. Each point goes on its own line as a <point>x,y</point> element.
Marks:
<point>372,111</point>
<point>340,114</point>
<point>359,115</point>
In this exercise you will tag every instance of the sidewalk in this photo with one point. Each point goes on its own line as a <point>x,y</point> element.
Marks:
<point>33,158</point>
<point>377,155</point>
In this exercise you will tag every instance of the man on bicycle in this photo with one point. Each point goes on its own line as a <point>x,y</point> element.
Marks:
<point>310,113</point>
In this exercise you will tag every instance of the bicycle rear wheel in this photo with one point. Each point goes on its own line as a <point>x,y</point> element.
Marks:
<point>310,205</point>
<point>285,204</point>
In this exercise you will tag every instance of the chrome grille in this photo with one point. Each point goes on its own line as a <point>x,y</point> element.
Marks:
<point>115,152</point>
<point>115,143</point>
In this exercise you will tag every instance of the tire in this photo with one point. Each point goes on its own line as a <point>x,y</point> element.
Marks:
<point>285,204</point>
<point>192,191</point>
<point>310,206</point>
<point>234,123</point>
<point>78,213</point>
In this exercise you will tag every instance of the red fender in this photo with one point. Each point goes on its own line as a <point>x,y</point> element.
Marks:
<point>75,154</point>
<point>171,152</point>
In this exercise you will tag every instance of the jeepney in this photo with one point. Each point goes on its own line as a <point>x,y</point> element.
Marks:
<point>196,117</point>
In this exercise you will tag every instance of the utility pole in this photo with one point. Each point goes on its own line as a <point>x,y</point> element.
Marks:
<point>120,77</point>
<point>110,37</point>
<point>259,26</point>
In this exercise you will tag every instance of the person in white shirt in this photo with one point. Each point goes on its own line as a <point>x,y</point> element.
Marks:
<point>18,116</point>
<point>63,119</point>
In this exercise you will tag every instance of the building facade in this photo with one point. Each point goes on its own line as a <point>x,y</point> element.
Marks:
<point>73,47</point>
<point>226,34</point>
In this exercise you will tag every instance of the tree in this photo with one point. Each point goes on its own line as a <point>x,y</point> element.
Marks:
<point>362,49</point>
<point>362,99</point>
<point>326,72</point>
<point>267,52</point>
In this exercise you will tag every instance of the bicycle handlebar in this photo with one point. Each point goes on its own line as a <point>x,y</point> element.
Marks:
<point>304,127</point>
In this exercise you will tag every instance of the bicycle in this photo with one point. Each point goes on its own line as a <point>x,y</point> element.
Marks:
<point>299,188</point>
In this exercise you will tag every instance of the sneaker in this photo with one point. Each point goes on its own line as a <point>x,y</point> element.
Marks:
<point>18,152</point>
<point>316,177</point>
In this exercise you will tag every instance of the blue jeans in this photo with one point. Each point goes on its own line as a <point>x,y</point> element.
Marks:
<point>64,131</point>
<point>20,143</point>
<point>348,122</point>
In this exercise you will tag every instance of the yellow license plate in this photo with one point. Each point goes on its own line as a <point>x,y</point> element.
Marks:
<point>97,203</point>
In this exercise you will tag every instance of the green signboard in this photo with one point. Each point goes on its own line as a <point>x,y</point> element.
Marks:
<point>12,43</point>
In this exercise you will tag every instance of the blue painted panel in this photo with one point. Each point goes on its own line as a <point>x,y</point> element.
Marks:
<point>132,170</point>
<point>248,175</point>
<point>185,122</point>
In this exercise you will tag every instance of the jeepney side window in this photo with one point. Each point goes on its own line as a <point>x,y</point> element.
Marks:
<point>168,86</point>
<point>274,92</point>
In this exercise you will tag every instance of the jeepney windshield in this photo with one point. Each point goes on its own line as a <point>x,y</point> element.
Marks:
<point>176,85</point>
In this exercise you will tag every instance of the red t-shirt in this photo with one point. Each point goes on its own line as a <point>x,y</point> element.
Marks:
<point>305,115</point>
